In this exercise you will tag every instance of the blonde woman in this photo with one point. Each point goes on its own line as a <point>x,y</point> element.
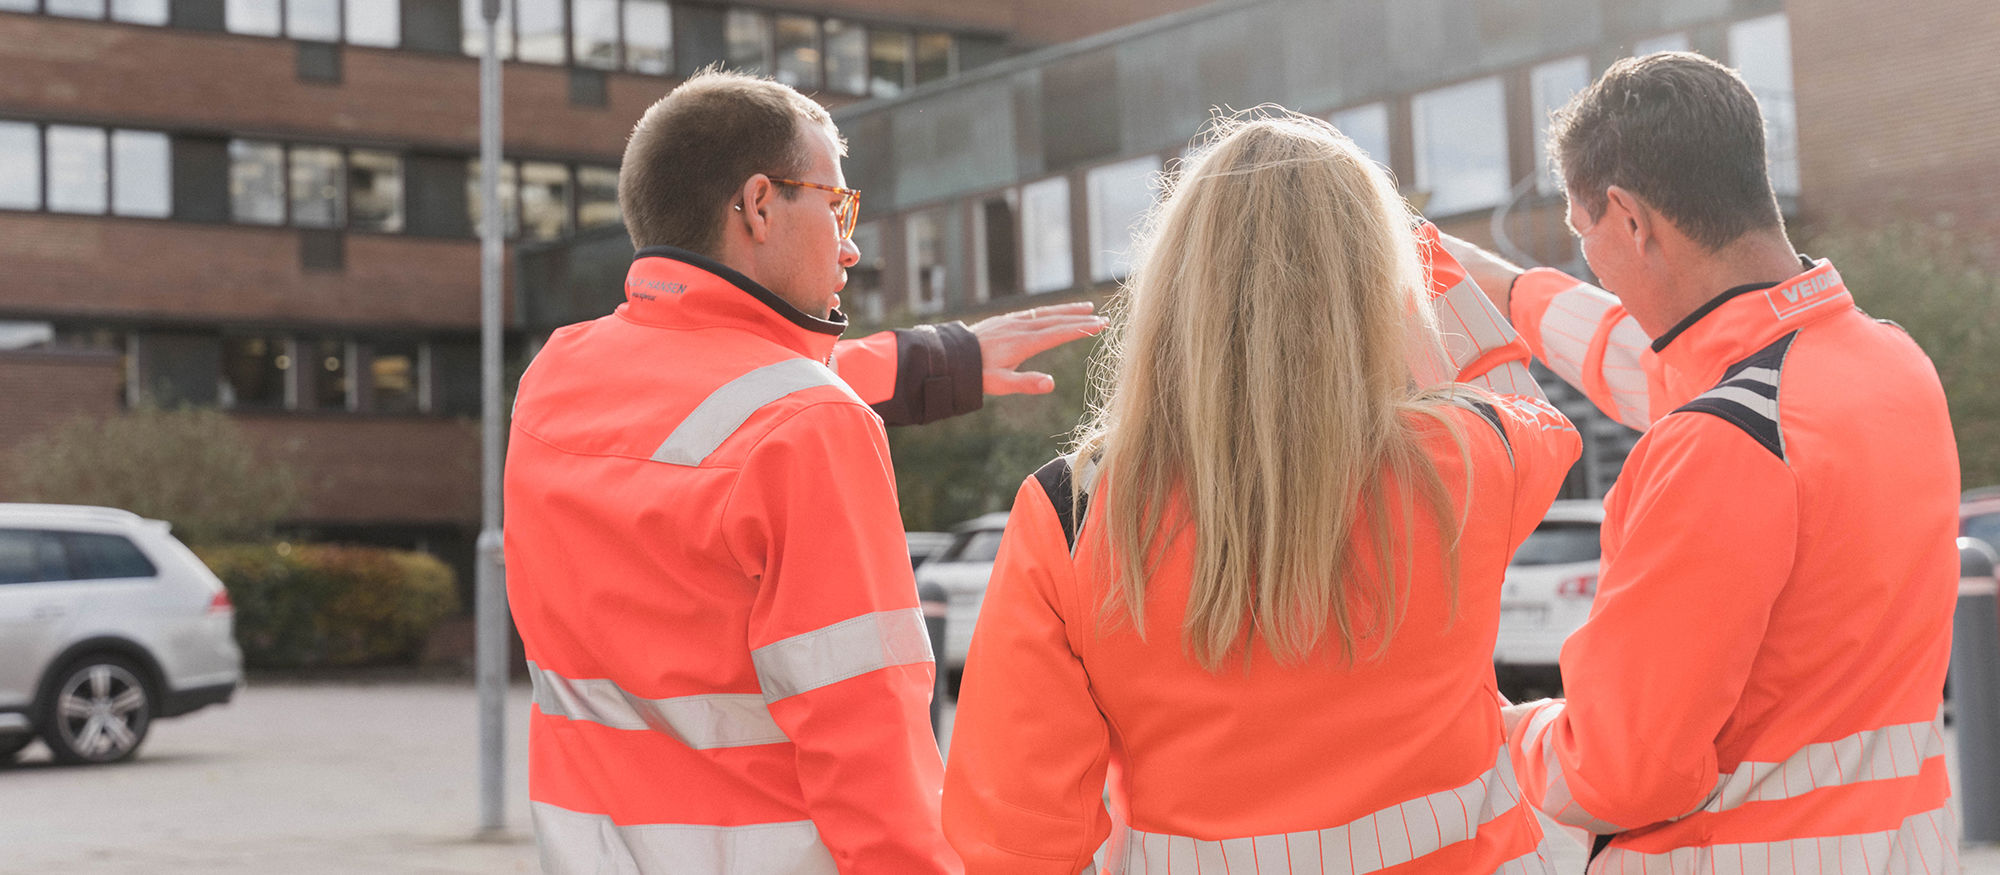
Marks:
<point>1273,634</point>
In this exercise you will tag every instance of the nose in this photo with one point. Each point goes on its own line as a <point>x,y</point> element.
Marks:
<point>850,254</point>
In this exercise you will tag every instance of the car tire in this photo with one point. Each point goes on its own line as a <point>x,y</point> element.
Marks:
<point>11,746</point>
<point>97,710</point>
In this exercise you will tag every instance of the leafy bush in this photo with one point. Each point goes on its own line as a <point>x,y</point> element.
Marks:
<point>193,468</point>
<point>323,606</point>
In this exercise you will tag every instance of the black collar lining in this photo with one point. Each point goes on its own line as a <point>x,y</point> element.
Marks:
<point>750,287</point>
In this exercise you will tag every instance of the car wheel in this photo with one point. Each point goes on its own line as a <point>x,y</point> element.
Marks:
<point>98,711</point>
<point>11,745</point>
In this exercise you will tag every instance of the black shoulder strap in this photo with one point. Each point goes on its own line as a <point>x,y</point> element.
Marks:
<point>1060,487</point>
<point>1492,416</point>
<point>1747,397</point>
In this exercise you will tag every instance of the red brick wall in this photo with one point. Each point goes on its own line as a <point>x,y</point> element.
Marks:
<point>40,391</point>
<point>376,470</point>
<point>1899,111</point>
<point>153,269</point>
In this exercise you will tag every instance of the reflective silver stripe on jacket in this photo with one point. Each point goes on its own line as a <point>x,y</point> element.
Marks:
<point>575,843</point>
<point>1898,751</point>
<point>700,722</point>
<point>1567,329</point>
<point>729,406</point>
<point>1557,801</point>
<point>1472,327</point>
<point>1926,844</point>
<point>846,649</point>
<point>1390,837</point>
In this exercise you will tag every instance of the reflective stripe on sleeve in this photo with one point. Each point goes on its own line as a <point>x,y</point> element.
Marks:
<point>1898,751</point>
<point>1925,843</point>
<point>1472,327</point>
<point>846,649</point>
<point>1557,801</point>
<point>1389,837</point>
<point>729,406</point>
<point>578,843</point>
<point>700,722</point>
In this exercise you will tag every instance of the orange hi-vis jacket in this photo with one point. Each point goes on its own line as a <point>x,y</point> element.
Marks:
<point>1757,687</point>
<point>1394,763</point>
<point>705,560</point>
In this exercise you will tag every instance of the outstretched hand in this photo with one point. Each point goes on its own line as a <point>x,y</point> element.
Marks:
<point>1007,340</point>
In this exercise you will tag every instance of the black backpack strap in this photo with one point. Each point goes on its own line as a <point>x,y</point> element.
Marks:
<point>1059,484</point>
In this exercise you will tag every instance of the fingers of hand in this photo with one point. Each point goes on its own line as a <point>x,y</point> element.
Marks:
<point>1007,381</point>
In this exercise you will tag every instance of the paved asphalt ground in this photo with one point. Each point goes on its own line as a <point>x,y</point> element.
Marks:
<point>308,779</point>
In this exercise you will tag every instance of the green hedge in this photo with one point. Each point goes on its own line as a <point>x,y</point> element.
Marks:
<point>322,606</point>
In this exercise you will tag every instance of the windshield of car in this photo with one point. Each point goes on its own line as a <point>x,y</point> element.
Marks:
<point>979,546</point>
<point>1985,527</point>
<point>1559,543</point>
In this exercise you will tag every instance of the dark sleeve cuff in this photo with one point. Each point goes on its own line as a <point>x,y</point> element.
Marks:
<point>939,374</point>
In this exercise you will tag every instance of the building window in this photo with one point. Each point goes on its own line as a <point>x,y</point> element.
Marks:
<point>747,33</point>
<point>540,27</point>
<point>797,43</point>
<point>596,197</point>
<point>257,182</point>
<point>455,378</point>
<point>1666,42</point>
<point>648,36</point>
<point>153,12</point>
<point>863,297</point>
<point>177,369</point>
<point>1551,86</point>
<point>1761,50</point>
<point>254,17</point>
<point>317,20</point>
<point>1460,139</point>
<point>141,174</point>
<point>545,200</point>
<point>998,237</point>
<point>326,382</point>
<point>393,377</point>
<point>93,9</point>
<point>1368,127</point>
<point>930,272</point>
<point>1047,260</point>
<point>255,371</point>
<point>594,33</point>
<point>846,57</point>
<point>77,161</point>
<point>318,177</point>
<point>888,62</point>
<point>26,335</point>
<point>934,57</point>
<point>374,191</point>
<point>473,22</point>
<point>1120,196</point>
<point>375,23</point>
<point>20,166</point>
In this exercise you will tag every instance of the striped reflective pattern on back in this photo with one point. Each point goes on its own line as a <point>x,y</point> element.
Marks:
<point>1926,844</point>
<point>1389,837</point>
<point>846,649</point>
<point>1898,751</point>
<point>726,409</point>
<point>576,843</point>
<point>703,722</point>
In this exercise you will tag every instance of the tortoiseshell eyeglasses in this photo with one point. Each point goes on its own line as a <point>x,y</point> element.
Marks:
<point>849,209</point>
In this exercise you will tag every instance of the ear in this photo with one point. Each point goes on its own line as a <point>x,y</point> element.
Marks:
<point>1636,218</point>
<point>752,207</point>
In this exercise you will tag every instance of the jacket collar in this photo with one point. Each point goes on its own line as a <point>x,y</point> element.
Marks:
<point>668,287</point>
<point>1739,322</point>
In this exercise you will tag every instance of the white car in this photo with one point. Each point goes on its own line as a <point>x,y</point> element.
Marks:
<point>962,569</point>
<point>1546,596</point>
<point>107,623</point>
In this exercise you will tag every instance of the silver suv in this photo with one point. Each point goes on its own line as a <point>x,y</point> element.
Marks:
<point>107,623</point>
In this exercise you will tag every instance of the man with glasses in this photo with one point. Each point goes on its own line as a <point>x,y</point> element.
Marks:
<point>705,556</point>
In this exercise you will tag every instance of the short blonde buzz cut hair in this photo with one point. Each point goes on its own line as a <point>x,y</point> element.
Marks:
<point>694,147</point>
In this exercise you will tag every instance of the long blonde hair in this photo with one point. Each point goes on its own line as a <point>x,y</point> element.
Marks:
<point>1257,376</point>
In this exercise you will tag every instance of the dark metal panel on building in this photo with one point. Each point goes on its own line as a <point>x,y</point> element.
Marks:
<point>201,179</point>
<point>318,62</point>
<point>579,280</point>
<point>944,147</point>
<point>433,26</point>
<point>176,369</point>
<point>699,38</point>
<point>435,196</point>
<point>196,14</point>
